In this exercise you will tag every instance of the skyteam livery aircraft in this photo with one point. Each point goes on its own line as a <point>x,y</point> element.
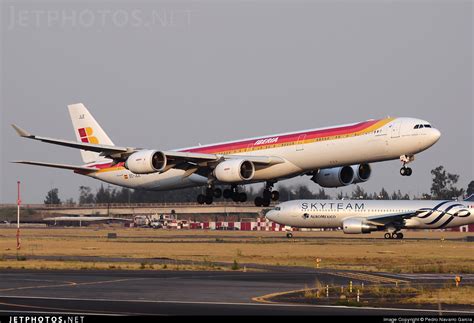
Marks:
<point>333,157</point>
<point>365,216</point>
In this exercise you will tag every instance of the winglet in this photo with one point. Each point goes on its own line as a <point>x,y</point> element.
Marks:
<point>21,132</point>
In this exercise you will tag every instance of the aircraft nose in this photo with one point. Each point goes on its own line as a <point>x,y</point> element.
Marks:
<point>435,135</point>
<point>271,215</point>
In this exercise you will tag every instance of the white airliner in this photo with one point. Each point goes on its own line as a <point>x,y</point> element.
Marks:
<point>333,157</point>
<point>365,216</point>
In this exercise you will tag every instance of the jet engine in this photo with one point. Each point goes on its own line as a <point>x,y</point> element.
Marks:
<point>146,162</point>
<point>234,170</point>
<point>357,225</point>
<point>362,173</point>
<point>334,177</point>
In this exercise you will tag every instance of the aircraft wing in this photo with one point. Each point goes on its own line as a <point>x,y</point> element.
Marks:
<point>386,219</point>
<point>177,158</point>
<point>198,157</point>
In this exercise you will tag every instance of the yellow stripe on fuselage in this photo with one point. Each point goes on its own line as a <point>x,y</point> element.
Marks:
<point>367,130</point>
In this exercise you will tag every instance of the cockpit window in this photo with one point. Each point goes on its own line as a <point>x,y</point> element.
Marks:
<point>427,126</point>
<point>416,127</point>
<point>277,208</point>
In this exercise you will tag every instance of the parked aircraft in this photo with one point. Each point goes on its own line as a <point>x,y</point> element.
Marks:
<point>366,216</point>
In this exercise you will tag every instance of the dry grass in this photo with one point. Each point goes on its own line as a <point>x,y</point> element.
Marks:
<point>451,295</point>
<point>381,294</point>
<point>253,247</point>
<point>102,265</point>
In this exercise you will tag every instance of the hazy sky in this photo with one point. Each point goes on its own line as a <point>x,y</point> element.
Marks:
<point>173,74</point>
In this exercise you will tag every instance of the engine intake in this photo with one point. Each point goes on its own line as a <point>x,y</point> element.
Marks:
<point>146,162</point>
<point>362,173</point>
<point>334,177</point>
<point>357,226</point>
<point>234,170</point>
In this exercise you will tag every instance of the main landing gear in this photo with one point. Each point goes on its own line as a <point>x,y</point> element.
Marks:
<point>212,193</point>
<point>268,196</point>
<point>289,235</point>
<point>393,235</point>
<point>405,159</point>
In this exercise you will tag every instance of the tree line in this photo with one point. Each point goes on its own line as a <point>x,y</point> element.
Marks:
<point>443,187</point>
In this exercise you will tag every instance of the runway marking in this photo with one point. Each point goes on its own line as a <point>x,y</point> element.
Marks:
<point>63,284</point>
<point>59,313</point>
<point>239,304</point>
<point>368,277</point>
<point>66,309</point>
<point>265,298</point>
<point>68,283</point>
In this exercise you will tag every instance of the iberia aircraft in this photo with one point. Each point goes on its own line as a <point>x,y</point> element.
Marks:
<point>333,157</point>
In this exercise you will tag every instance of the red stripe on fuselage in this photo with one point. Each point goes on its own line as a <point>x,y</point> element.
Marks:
<point>293,137</point>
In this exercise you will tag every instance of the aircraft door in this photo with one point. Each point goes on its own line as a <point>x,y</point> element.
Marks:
<point>300,142</point>
<point>395,129</point>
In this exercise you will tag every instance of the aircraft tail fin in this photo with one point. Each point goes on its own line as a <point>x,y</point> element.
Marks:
<point>470,198</point>
<point>88,130</point>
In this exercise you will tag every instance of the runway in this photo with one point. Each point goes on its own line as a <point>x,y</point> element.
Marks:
<point>173,293</point>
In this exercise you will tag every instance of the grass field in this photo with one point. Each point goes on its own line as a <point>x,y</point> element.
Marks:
<point>440,252</point>
<point>380,295</point>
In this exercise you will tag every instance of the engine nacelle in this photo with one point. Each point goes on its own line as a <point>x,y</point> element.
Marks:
<point>234,171</point>
<point>146,162</point>
<point>357,225</point>
<point>362,173</point>
<point>334,177</point>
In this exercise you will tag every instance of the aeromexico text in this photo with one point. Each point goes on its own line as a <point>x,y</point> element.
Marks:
<point>319,206</point>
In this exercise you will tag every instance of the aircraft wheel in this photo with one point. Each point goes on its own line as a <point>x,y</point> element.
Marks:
<point>403,171</point>
<point>387,236</point>
<point>398,235</point>
<point>217,193</point>
<point>242,197</point>
<point>289,235</point>
<point>258,201</point>
<point>267,195</point>
<point>201,199</point>
<point>227,193</point>
<point>275,196</point>
<point>208,200</point>
<point>266,202</point>
<point>235,196</point>
<point>408,171</point>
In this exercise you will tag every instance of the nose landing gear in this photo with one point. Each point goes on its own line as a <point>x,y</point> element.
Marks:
<point>405,171</point>
<point>405,159</point>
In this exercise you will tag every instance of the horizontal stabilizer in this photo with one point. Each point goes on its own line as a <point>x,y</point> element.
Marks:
<point>63,166</point>
<point>105,150</point>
